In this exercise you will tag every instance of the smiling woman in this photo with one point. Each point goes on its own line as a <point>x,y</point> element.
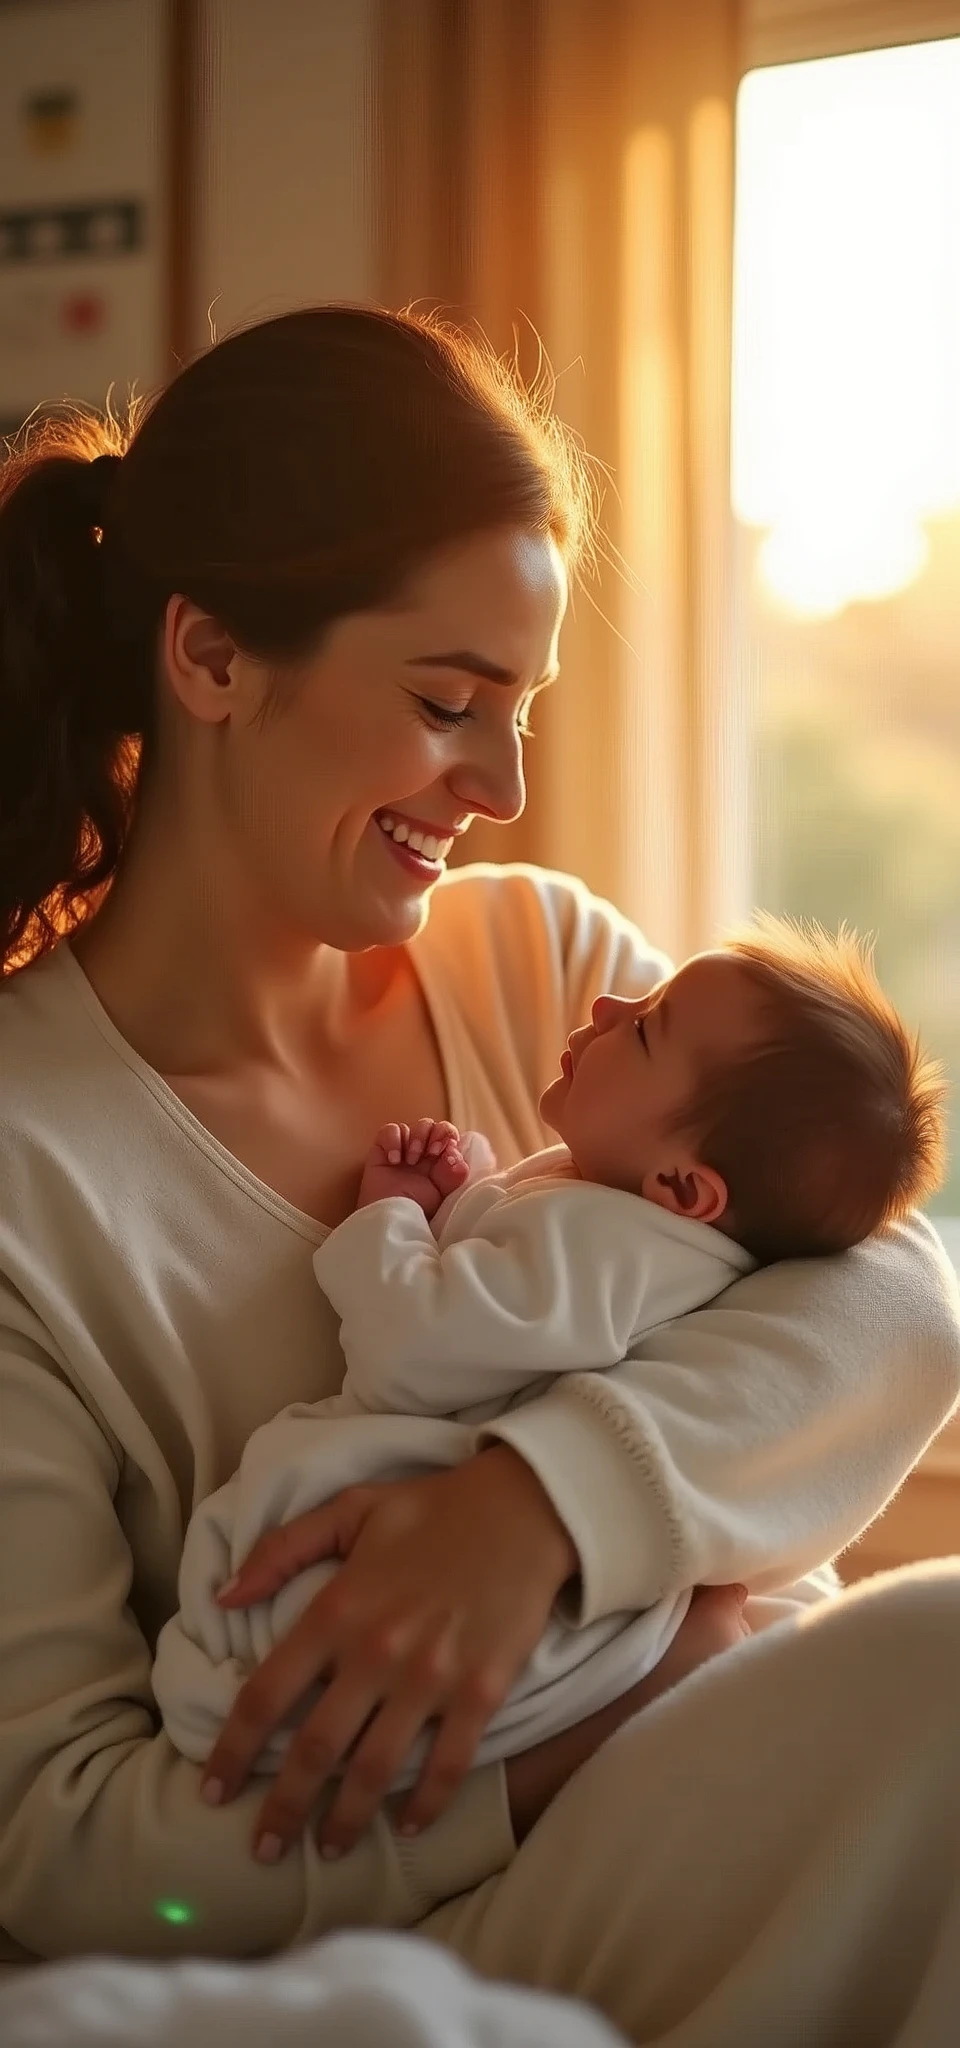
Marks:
<point>315,590</point>
<point>261,658</point>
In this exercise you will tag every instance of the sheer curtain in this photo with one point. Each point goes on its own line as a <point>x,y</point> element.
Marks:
<point>564,168</point>
<point>567,166</point>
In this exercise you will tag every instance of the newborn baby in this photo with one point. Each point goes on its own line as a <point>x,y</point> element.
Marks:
<point>764,1102</point>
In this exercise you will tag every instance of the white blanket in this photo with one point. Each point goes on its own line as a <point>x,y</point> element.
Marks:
<point>304,1456</point>
<point>350,1991</point>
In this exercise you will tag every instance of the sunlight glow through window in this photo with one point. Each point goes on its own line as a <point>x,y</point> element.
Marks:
<point>846,385</point>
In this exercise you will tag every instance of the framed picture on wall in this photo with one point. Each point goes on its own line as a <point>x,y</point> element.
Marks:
<point>83,216</point>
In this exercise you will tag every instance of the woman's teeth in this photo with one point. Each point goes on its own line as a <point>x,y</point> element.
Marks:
<point>424,843</point>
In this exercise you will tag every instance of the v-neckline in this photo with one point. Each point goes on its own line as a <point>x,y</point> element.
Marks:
<point>192,1126</point>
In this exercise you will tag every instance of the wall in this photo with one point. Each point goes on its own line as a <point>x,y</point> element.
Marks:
<point>276,184</point>
<point>286,145</point>
<point>83,219</point>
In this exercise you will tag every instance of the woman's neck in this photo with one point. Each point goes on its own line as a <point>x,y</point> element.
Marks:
<point>197,980</point>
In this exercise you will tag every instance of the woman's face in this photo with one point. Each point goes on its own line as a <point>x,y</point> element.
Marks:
<point>341,800</point>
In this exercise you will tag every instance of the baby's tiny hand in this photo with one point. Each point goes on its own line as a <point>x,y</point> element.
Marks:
<point>422,1161</point>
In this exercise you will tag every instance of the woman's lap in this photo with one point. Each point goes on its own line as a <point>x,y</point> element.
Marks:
<point>769,1854</point>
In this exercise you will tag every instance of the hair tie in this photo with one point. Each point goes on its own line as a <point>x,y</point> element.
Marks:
<point>100,473</point>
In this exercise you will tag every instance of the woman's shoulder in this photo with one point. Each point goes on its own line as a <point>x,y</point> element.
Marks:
<point>517,924</point>
<point>58,1085</point>
<point>33,1028</point>
<point>41,1026</point>
<point>489,904</point>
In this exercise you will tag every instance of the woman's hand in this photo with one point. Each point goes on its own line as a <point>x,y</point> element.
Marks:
<point>445,1591</point>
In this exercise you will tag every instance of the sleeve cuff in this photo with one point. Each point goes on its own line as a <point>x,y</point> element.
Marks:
<point>607,1494</point>
<point>368,1223</point>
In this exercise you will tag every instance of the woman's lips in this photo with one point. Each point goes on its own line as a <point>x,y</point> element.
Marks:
<point>415,863</point>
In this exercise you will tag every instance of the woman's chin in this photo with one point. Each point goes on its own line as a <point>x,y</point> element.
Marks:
<point>361,926</point>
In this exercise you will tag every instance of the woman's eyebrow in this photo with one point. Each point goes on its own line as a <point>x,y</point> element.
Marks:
<point>476,665</point>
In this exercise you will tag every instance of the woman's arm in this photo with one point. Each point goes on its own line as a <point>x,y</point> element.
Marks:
<point>105,1843</point>
<point>759,1436</point>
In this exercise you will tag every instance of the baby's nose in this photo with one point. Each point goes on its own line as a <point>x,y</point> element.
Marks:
<point>607,1010</point>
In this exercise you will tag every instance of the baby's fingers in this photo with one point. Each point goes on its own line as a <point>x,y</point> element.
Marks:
<point>445,1136</point>
<point>390,1141</point>
<point>429,1137</point>
<point>420,1139</point>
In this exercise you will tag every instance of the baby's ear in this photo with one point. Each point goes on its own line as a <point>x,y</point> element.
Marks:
<point>478,1153</point>
<point>690,1190</point>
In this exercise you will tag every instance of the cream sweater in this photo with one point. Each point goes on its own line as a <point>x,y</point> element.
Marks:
<point>524,1275</point>
<point>157,1304</point>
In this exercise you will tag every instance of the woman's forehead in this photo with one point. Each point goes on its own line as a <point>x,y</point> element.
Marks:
<point>522,569</point>
<point>499,597</point>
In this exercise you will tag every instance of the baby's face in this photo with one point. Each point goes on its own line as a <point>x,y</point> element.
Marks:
<point>625,1076</point>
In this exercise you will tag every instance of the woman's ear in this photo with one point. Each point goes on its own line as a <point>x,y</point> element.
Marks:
<point>691,1190</point>
<point>197,654</point>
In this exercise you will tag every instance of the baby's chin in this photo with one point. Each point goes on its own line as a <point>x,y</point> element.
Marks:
<point>550,1104</point>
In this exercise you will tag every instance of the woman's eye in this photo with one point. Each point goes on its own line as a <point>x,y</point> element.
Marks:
<point>443,714</point>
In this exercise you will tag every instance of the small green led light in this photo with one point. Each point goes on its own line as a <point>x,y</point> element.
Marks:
<point>175,1911</point>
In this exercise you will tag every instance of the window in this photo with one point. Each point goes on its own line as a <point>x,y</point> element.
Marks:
<point>846,496</point>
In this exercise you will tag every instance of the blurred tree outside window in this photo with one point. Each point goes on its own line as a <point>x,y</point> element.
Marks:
<point>846,496</point>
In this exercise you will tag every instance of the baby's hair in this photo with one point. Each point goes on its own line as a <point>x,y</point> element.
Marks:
<point>831,1126</point>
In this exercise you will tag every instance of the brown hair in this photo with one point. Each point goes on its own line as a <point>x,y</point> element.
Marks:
<point>832,1125</point>
<point>298,471</point>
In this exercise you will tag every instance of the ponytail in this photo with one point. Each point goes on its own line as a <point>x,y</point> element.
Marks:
<point>298,471</point>
<point>68,759</point>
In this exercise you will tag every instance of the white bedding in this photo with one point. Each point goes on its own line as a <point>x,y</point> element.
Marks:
<point>349,1991</point>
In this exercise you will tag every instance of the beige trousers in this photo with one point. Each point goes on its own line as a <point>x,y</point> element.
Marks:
<point>768,1857</point>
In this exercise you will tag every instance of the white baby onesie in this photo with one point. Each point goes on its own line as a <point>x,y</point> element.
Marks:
<point>523,1275</point>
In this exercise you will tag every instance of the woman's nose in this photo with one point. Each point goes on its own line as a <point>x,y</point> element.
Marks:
<point>490,780</point>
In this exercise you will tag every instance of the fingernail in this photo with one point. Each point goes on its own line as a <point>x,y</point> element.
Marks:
<point>330,1851</point>
<point>229,1586</point>
<point>212,1791</point>
<point>269,1849</point>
